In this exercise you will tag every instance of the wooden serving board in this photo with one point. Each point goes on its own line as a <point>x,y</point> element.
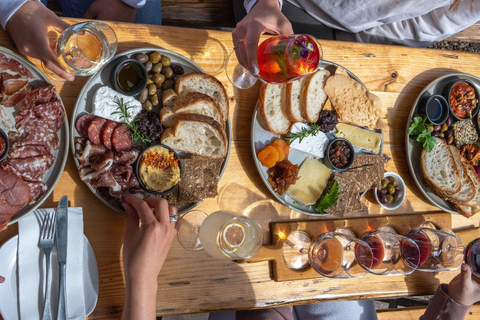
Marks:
<point>279,271</point>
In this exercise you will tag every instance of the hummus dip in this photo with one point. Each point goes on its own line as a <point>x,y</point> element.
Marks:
<point>159,169</point>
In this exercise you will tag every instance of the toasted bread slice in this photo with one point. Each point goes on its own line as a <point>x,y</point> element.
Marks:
<point>193,102</point>
<point>473,204</point>
<point>206,84</point>
<point>168,98</point>
<point>467,191</point>
<point>294,99</point>
<point>271,104</point>
<point>440,170</point>
<point>197,134</point>
<point>313,95</point>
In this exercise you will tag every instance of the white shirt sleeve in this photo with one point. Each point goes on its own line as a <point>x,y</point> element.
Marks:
<point>7,9</point>
<point>137,4</point>
<point>248,4</point>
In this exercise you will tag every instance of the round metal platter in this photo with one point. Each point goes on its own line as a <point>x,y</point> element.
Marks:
<point>53,175</point>
<point>262,137</point>
<point>102,78</point>
<point>414,148</point>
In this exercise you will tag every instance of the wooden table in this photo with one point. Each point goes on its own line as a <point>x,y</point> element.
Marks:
<point>193,281</point>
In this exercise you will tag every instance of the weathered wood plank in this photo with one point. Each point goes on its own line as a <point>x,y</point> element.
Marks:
<point>415,313</point>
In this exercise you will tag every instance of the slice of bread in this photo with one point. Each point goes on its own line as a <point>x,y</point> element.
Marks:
<point>467,191</point>
<point>473,206</point>
<point>294,99</point>
<point>168,97</point>
<point>196,134</point>
<point>206,84</point>
<point>440,170</point>
<point>193,102</point>
<point>271,104</point>
<point>314,96</point>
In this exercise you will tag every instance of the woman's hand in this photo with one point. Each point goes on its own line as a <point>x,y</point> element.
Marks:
<point>28,28</point>
<point>265,16</point>
<point>145,249</point>
<point>463,288</point>
<point>112,10</point>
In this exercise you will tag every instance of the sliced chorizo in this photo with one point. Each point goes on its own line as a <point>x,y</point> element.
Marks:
<point>121,138</point>
<point>83,122</point>
<point>94,130</point>
<point>106,133</point>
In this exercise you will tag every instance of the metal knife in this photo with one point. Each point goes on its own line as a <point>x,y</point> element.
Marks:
<point>61,230</point>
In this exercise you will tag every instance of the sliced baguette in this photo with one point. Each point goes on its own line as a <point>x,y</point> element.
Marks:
<point>196,134</point>
<point>467,191</point>
<point>439,169</point>
<point>193,102</point>
<point>168,98</point>
<point>206,84</point>
<point>272,108</point>
<point>294,99</point>
<point>313,95</point>
<point>473,206</point>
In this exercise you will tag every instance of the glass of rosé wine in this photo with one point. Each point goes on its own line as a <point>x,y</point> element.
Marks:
<point>281,59</point>
<point>472,256</point>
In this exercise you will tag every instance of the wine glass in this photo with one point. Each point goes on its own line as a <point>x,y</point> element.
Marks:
<point>389,248</point>
<point>83,48</point>
<point>472,256</point>
<point>281,59</point>
<point>440,250</point>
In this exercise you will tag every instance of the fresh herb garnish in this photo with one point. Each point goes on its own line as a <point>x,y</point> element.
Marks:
<point>132,125</point>
<point>305,132</point>
<point>418,126</point>
<point>427,139</point>
<point>328,199</point>
<point>423,131</point>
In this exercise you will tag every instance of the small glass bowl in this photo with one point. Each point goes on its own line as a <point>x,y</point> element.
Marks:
<point>142,74</point>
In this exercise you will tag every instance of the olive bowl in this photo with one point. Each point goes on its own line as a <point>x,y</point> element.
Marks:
<point>446,94</point>
<point>401,186</point>
<point>328,161</point>
<point>4,135</point>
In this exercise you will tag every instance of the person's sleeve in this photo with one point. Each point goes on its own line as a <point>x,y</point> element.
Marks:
<point>442,307</point>
<point>248,4</point>
<point>278,313</point>
<point>8,8</point>
<point>137,4</point>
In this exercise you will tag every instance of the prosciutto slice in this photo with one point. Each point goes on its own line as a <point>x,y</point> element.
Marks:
<point>9,66</point>
<point>9,101</point>
<point>14,195</point>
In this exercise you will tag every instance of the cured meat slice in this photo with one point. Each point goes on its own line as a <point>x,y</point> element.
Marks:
<point>51,113</point>
<point>83,122</point>
<point>27,151</point>
<point>33,131</point>
<point>106,134</point>
<point>121,138</point>
<point>123,172</point>
<point>95,128</point>
<point>127,157</point>
<point>14,84</point>
<point>29,169</point>
<point>84,150</point>
<point>9,101</point>
<point>14,195</point>
<point>37,190</point>
<point>38,96</point>
<point>9,65</point>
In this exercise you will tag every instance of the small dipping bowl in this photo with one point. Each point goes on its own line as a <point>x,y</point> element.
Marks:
<point>328,162</point>
<point>436,109</point>
<point>138,165</point>
<point>401,187</point>
<point>447,91</point>
<point>129,77</point>
<point>4,145</point>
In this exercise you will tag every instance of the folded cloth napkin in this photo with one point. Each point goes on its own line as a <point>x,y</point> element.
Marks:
<point>31,267</point>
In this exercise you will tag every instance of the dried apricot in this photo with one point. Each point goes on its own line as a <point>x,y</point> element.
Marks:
<point>268,156</point>
<point>284,144</point>
<point>281,153</point>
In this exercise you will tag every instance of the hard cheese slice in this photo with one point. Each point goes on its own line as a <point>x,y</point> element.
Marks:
<point>313,177</point>
<point>361,138</point>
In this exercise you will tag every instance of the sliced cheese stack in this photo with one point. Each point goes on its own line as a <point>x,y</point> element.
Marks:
<point>360,138</point>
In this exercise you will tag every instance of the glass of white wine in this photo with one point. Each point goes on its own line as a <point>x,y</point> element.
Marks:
<point>83,48</point>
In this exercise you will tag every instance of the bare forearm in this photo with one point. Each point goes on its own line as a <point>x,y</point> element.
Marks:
<point>140,302</point>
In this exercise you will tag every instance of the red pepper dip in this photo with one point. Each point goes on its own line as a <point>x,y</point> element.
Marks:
<point>463,100</point>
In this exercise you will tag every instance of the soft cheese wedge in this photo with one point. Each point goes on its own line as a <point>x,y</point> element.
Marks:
<point>313,144</point>
<point>360,138</point>
<point>313,177</point>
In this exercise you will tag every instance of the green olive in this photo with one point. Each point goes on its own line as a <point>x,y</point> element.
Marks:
<point>393,181</point>
<point>168,84</point>
<point>155,57</point>
<point>450,140</point>
<point>385,183</point>
<point>158,78</point>
<point>444,127</point>
<point>152,89</point>
<point>391,188</point>
<point>147,105</point>
<point>154,100</point>
<point>157,68</point>
<point>166,61</point>
<point>389,198</point>
<point>150,79</point>
<point>167,72</point>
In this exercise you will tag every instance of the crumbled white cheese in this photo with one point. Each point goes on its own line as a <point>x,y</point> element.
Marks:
<point>105,104</point>
<point>314,145</point>
<point>6,122</point>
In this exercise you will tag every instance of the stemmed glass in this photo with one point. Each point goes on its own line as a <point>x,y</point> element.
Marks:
<point>281,59</point>
<point>83,48</point>
<point>472,256</point>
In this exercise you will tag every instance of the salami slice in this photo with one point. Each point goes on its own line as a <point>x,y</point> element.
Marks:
<point>95,128</point>
<point>37,190</point>
<point>83,122</point>
<point>27,151</point>
<point>29,169</point>
<point>106,134</point>
<point>121,138</point>
<point>38,96</point>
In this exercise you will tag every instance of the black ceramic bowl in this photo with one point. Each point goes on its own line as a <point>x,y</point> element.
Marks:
<point>136,68</point>
<point>446,94</point>
<point>137,167</point>
<point>436,108</point>
<point>328,161</point>
<point>4,135</point>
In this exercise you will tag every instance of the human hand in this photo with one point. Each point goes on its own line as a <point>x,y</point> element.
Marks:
<point>112,10</point>
<point>265,16</point>
<point>28,28</point>
<point>463,288</point>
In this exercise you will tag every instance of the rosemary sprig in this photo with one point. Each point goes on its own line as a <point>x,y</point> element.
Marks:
<point>124,111</point>
<point>305,132</point>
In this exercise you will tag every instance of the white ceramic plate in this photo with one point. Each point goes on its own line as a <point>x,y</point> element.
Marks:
<point>8,269</point>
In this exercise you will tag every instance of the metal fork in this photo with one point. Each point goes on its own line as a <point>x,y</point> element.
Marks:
<point>47,242</point>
